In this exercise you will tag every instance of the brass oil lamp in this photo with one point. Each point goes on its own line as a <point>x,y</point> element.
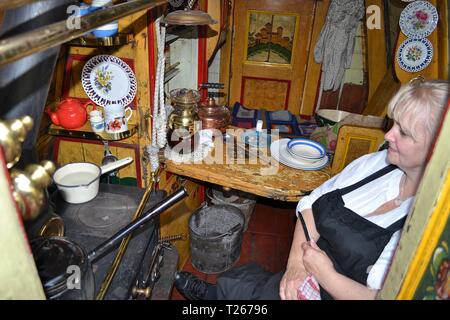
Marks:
<point>184,121</point>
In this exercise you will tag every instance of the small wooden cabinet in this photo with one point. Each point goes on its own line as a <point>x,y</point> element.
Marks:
<point>132,46</point>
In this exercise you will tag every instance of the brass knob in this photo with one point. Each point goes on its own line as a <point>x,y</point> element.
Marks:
<point>12,134</point>
<point>41,174</point>
<point>29,197</point>
<point>146,292</point>
<point>29,185</point>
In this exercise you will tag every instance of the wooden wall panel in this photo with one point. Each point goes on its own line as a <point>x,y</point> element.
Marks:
<point>293,71</point>
<point>265,93</point>
<point>175,220</point>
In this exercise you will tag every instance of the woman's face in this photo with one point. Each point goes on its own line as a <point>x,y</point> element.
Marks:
<point>405,151</point>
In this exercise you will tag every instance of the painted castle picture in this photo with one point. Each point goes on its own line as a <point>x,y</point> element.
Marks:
<point>270,37</point>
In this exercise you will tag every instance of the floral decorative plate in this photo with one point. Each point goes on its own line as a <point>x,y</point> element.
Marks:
<point>414,55</point>
<point>418,19</point>
<point>108,80</point>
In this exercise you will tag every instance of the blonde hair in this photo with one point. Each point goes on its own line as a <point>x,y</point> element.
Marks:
<point>419,98</point>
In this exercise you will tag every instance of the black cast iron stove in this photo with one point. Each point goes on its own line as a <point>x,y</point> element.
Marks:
<point>89,224</point>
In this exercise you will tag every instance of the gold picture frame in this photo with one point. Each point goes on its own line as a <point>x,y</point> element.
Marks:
<point>270,37</point>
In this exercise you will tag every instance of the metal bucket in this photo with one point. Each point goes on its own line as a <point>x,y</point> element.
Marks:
<point>244,201</point>
<point>215,237</point>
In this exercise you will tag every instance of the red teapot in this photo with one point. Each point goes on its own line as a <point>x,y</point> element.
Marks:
<point>70,113</point>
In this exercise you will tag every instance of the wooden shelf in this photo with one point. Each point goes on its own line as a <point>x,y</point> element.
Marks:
<point>92,41</point>
<point>271,180</point>
<point>85,132</point>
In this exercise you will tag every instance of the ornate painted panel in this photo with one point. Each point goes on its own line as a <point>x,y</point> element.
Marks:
<point>270,37</point>
<point>435,283</point>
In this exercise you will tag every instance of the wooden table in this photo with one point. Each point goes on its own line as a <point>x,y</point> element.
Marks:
<point>274,180</point>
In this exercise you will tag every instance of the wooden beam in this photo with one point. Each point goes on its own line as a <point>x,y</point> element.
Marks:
<point>443,36</point>
<point>388,86</point>
<point>312,76</point>
<point>376,51</point>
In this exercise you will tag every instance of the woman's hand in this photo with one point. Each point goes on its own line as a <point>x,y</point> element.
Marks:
<point>290,282</point>
<point>315,260</point>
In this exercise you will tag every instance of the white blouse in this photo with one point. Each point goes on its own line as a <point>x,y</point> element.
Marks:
<point>367,199</point>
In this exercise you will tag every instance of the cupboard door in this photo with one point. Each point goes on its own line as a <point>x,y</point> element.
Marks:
<point>270,53</point>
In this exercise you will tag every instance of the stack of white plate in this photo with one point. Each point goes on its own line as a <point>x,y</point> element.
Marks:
<point>299,153</point>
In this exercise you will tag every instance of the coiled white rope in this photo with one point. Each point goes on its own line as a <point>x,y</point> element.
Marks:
<point>159,128</point>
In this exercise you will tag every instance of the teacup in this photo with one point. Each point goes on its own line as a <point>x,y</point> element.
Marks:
<point>116,118</point>
<point>97,124</point>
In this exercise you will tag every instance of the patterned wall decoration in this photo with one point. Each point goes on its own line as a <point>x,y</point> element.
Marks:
<point>270,37</point>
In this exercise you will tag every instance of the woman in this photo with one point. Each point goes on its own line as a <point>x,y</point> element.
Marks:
<point>353,220</point>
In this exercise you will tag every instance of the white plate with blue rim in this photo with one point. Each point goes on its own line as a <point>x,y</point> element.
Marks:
<point>279,152</point>
<point>414,55</point>
<point>306,149</point>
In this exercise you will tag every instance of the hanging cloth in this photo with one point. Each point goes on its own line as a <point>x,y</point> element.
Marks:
<point>336,43</point>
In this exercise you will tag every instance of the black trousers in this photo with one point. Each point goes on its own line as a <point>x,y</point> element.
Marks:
<point>249,282</point>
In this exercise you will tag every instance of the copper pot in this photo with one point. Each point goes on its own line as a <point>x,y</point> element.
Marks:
<point>214,116</point>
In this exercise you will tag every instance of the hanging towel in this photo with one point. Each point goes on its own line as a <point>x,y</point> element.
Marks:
<point>334,49</point>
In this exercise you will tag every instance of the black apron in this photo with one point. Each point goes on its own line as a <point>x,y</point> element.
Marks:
<point>352,242</point>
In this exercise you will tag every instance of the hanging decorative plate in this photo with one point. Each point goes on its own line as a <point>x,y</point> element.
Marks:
<point>419,19</point>
<point>108,80</point>
<point>414,55</point>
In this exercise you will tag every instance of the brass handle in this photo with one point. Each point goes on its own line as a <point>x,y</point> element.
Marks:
<point>146,292</point>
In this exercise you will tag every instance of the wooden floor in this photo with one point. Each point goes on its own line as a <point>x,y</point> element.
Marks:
<point>267,240</point>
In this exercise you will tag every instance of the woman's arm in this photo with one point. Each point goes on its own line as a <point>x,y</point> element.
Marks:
<point>295,270</point>
<point>337,285</point>
<point>341,287</point>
